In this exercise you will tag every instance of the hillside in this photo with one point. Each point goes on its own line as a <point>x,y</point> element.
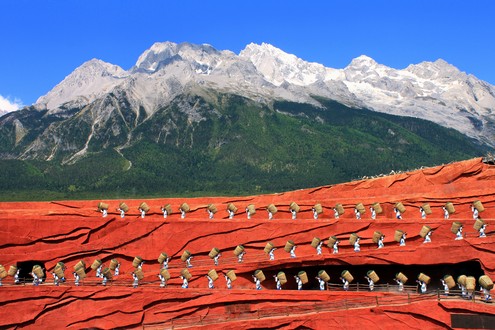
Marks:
<point>208,143</point>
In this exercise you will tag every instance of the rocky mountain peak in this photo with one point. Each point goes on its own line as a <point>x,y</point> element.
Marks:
<point>362,62</point>
<point>436,91</point>
<point>92,79</point>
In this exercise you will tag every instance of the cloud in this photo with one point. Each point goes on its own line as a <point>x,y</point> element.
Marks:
<point>6,105</point>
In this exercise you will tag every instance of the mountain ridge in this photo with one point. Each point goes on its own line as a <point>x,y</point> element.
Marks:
<point>436,91</point>
<point>190,119</point>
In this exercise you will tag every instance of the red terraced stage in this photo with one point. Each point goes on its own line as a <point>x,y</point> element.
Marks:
<point>70,231</point>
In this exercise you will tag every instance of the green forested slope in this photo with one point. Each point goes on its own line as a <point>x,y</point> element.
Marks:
<point>219,144</point>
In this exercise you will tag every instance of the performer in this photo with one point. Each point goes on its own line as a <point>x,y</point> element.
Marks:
<point>257,282</point>
<point>483,231</point>
<point>293,251</point>
<point>398,214</point>
<point>321,283</point>
<point>475,213</point>
<point>299,282</point>
<point>229,282</point>
<point>357,247</point>
<point>446,214</point>
<point>373,213</point>
<point>163,281</point>
<point>240,257</point>
<point>277,282</point>
<point>380,242</point>
<point>423,212</point>
<point>271,253</point>
<point>371,284</point>
<point>185,283</point>
<point>428,237</point>
<point>401,285</point>
<point>458,235</point>
<point>318,248</point>
<point>336,247</point>
<point>210,282</point>
<point>215,259</point>
<point>346,284</point>
<point>422,285</point>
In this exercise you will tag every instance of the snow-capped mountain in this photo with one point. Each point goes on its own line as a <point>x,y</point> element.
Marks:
<point>435,91</point>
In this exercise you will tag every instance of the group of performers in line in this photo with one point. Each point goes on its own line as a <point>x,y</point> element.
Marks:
<point>231,213</point>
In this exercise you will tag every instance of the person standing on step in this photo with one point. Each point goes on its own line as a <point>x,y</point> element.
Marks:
<point>318,248</point>
<point>380,242</point>
<point>373,213</point>
<point>277,282</point>
<point>210,282</point>
<point>403,239</point>
<point>315,213</point>
<point>215,259</point>
<point>56,279</point>
<point>117,270</point>
<point>248,213</point>
<point>185,283</point>
<point>428,237</point>
<point>321,283</point>
<point>104,281</point>
<point>229,282</point>
<point>463,290</point>
<point>163,281</point>
<point>345,284</point>
<point>486,293</point>
<point>98,270</point>
<point>398,214</point>
<point>257,282</point>
<point>400,284</point>
<point>422,286</point>
<point>293,251</point>
<point>165,212</point>
<point>16,276</point>
<point>271,254</point>
<point>122,212</point>
<point>482,231</point>
<point>475,213</point>
<point>188,262</point>
<point>143,213</point>
<point>445,287</point>
<point>446,214</point>
<point>336,247</point>
<point>165,263</point>
<point>240,257</point>
<point>76,278</point>
<point>371,283</point>
<point>423,212</point>
<point>299,282</point>
<point>358,214</point>
<point>357,247</point>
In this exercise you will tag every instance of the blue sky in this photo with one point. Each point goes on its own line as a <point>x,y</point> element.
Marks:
<point>44,41</point>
